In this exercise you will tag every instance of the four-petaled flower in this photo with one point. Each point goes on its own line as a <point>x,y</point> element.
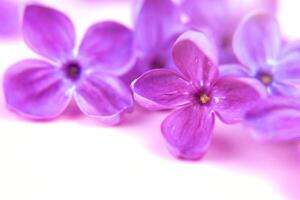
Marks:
<point>196,92</point>
<point>263,56</point>
<point>42,89</point>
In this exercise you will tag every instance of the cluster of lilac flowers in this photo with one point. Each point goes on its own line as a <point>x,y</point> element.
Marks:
<point>201,58</point>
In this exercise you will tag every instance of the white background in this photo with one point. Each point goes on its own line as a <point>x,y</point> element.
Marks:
<point>75,157</point>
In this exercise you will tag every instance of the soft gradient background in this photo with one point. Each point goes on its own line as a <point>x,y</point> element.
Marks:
<point>75,157</point>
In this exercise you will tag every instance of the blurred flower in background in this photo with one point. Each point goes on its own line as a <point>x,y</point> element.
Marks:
<point>221,17</point>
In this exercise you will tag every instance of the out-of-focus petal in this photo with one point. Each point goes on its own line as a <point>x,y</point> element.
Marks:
<point>104,97</point>
<point>161,89</point>
<point>232,99</point>
<point>9,18</point>
<point>234,70</point>
<point>48,32</point>
<point>108,47</point>
<point>188,131</point>
<point>257,41</point>
<point>274,119</point>
<point>196,57</point>
<point>156,23</point>
<point>284,89</point>
<point>36,89</point>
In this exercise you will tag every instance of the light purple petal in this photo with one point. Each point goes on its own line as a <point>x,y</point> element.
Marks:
<point>234,70</point>
<point>104,97</point>
<point>257,41</point>
<point>9,18</point>
<point>284,89</point>
<point>288,68</point>
<point>188,131</point>
<point>196,57</point>
<point>232,99</point>
<point>274,119</point>
<point>157,22</point>
<point>36,89</point>
<point>161,89</point>
<point>48,32</point>
<point>108,47</point>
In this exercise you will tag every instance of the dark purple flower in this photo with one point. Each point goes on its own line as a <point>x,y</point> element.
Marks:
<point>197,94</point>
<point>157,25</point>
<point>274,119</point>
<point>221,18</point>
<point>42,89</point>
<point>258,46</point>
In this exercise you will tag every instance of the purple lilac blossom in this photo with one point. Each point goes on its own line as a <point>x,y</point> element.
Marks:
<point>196,93</point>
<point>264,56</point>
<point>9,18</point>
<point>275,119</point>
<point>43,88</point>
<point>221,18</point>
<point>157,25</point>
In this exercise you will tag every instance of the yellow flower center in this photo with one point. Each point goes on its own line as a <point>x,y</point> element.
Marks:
<point>266,79</point>
<point>204,99</point>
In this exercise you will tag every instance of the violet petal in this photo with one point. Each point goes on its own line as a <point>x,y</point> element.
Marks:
<point>274,119</point>
<point>36,89</point>
<point>48,32</point>
<point>188,131</point>
<point>257,41</point>
<point>196,57</point>
<point>232,99</point>
<point>161,89</point>
<point>108,47</point>
<point>234,70</point>
<point>104,97</point>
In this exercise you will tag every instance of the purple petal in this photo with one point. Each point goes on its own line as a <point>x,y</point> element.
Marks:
<point>234,70</point>
<point>104,97</point>
<point>48,32</point>
<point>284,89</point>
<point>232,99</point>
<point>188,131</point>
<point>9,18</point>
<point>274,119</point>
<point>288,68</point>
<point>36,89</point>
<point>257,41</point>
<point>108,47</point>
<point>196,57</point>
<point>161,89</point>
<point>157,22</point>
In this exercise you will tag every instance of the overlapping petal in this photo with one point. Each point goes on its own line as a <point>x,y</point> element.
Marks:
<point>161,89</point>
<point>188,131</point>
<point>108,47</point>
<point>195,56</point>
<point>274,119</point>
<point>48,32</point>
<point>104,97</point>
<point>36,89</point>
<point>232,98</point>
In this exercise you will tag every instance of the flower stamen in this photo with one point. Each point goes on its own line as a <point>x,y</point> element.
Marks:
<point>204,99</point>
<point>265,78</point>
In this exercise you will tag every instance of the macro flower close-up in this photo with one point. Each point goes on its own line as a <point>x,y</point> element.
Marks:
<point>197,94</point>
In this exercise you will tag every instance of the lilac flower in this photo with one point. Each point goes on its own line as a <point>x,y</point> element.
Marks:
<point>42,89</point>
<point>258,46</point>
<point>9,18</point>
<point>157,25</point>
<point>197,94</point>
<point>221,18</point>
<point>274,119</point>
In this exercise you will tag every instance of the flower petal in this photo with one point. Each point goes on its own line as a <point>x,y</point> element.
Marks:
<point>104,97</point>
<point>234,70</point>
<point>196,57</point>
<point>257,41</point>
<point>157,22</point>
<point>9,18</point>
<point>274,119</point>
<point>48,32</point>
<point>161,89</point>
<point>232,99</point>
<point>188,131</point>
<point>284,89</point>
<point>109,47</point>
<point>36,89</point>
